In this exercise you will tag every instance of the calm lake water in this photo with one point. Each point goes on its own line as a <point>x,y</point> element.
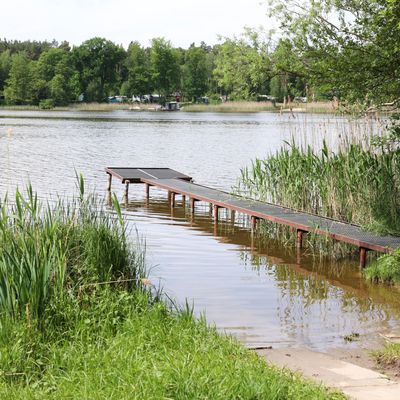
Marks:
<point>262,292</point>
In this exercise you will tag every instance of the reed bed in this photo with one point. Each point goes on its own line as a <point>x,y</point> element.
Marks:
<point>254,106</point>
<point>353,185</point>
<point>49,251</point>
<point>231,107</point>
<point>356,182</point>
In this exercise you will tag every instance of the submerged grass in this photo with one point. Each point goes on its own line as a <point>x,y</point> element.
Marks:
<point>79,321</point>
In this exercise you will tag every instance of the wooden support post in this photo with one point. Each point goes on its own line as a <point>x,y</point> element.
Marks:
<point>126,192</point>
<point>363,257</point>
<point>172,199</point>
<point>192,204</point>
<point>183,200</point>
<point>109,182</point>
<point>233,217</point>
<point>299,239</point>
<point>147,191</point>
<point>216,209</point>
<point>254,221</point>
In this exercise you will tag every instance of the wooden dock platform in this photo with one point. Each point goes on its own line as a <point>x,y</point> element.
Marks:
<point>177,183</point>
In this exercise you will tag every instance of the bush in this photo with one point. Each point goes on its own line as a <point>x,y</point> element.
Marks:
<point>46,104</point>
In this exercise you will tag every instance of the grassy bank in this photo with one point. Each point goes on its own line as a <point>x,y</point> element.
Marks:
<point>79,319</point>
<point>228,107</point>
<point>253,106</point>
<point>86,107</point>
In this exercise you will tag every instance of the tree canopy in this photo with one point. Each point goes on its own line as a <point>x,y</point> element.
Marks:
<point>349,47</point>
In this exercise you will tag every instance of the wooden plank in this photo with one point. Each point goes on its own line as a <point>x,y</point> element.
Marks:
<point>135,174</point>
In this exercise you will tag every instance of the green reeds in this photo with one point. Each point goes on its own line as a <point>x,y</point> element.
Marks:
<point>49,252</point>
<point>354,185</point>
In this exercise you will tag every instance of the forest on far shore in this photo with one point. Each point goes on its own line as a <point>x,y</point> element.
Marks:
<point>323,51</point>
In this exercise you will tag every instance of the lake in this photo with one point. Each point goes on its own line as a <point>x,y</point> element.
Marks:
<point>260,291</point>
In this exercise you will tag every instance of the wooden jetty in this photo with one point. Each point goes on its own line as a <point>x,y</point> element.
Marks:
<point>177,183</point>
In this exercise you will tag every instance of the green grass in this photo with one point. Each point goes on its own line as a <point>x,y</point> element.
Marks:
<point>389,356</point>
<point>124,346</point>
<point>79,321</point>
<point>385,270</point>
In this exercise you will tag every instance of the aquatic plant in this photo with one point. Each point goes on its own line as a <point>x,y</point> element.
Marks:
<point>48,252</point>
<point>354,184</point>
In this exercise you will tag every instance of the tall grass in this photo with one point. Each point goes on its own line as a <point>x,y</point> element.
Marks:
<point>355,184</point>
<point>49,252</point>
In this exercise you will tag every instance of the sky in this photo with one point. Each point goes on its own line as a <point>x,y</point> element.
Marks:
<point>122,21</point>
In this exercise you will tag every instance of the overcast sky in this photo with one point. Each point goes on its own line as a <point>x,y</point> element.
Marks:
<point>181,21</point>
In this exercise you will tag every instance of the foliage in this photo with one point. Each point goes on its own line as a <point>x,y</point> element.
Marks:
<point>165,68</point>
<point>242,66</point>
<point>46,104</point>
<point>386,269</point>
<point>196,72</point>
<point>347,47</point>
<point>20,83</point>
<point>139,71</point>
<point>98,60</point>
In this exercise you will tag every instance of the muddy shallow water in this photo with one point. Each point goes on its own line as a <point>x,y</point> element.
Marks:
<point>261,291</point>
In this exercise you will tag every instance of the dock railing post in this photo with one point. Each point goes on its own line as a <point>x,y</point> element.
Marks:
<point>147,191</point>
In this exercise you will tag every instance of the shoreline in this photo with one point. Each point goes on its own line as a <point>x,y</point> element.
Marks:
<point>228,107</point>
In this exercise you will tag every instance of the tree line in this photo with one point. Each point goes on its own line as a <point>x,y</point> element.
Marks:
<point>348,49</point>
<point>238,68</point>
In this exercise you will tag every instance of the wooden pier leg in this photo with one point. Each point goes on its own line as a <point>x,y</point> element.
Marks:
<point>126,192</point>
<point>147,186</point>
<point>232,217</point>
<point>172,200</point>
<point>299,239</point>
<point>216,209</point>
<point>192,204</point>
<point>109,182</point>
<point>363,257</point>
<point>254,221</point>
<point>183,199</point>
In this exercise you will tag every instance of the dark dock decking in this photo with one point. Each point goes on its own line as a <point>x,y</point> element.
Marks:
<point>177,183</point>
